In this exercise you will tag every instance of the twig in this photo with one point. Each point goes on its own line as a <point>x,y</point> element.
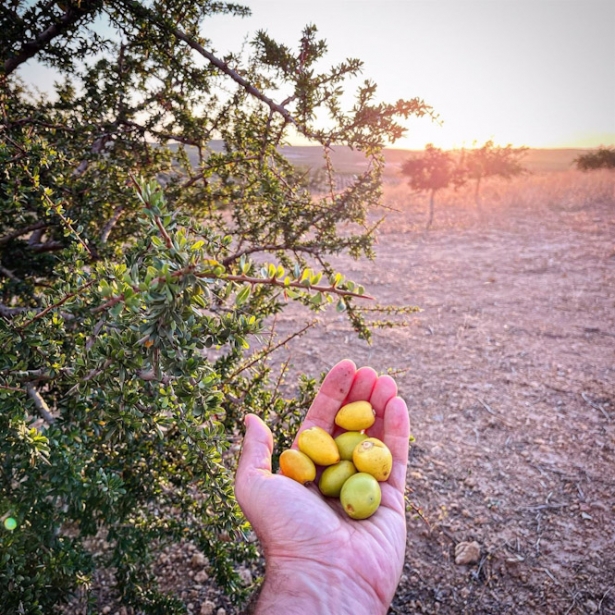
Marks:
<point>543,507</point>
<point>419,512</point>
<point>282,284</point>
<point>4,387</point>
<point>92,374</point>
<point>490,411</point>
<point>572,596</point>
<point>41,405</point>
<point>55,305</point>
<point>268,351</point>
<point>163,232</point>
<point>596,406</point>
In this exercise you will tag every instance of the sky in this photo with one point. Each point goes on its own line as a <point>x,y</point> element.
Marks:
<point>539,73</point>
<point>536,73</point>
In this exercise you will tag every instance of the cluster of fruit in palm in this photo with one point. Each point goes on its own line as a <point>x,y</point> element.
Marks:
<point>354,464</point>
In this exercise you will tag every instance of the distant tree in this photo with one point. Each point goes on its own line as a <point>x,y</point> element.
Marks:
<point>492,161</point>
<point>602,158</point>
<point>431,171</point>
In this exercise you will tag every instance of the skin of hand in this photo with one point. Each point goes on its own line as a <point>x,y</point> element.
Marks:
<point>318,560</point>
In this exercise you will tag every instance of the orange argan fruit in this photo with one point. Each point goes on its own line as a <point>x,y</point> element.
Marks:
<point>297,465</point>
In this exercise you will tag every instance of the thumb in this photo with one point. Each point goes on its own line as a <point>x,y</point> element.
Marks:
<point>255,456</point>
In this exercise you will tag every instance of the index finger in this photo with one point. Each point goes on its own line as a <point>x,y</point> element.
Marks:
<point>332,393</point>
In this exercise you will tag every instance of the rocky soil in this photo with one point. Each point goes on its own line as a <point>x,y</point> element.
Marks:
<point>509,374</point>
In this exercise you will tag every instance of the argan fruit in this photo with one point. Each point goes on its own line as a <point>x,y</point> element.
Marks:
<point>360,496</point>
<point>334,477</point>
<point>374,457</point>
<point>347,441</point>
<point>298,466</point>
<point>319,446</point>
<point>355,416</point>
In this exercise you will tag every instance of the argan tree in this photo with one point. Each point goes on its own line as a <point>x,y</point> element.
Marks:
<point>492,161</point>
<point>150,229</point>
<point>431,171</point>
<point>601,158</point>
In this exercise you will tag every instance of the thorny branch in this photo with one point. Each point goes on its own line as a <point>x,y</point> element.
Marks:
<point>30,48</point>
<point>55,305</point>
<point>244,279</point>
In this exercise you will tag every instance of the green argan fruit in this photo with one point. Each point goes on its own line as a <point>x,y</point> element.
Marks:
<point>347,441</point>
<point>334,477</point>
<point>319,446</point>
<point>356,416</point>
<point>360,496</point>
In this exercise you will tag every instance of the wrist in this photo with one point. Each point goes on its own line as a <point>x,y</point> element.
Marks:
<point>299,587</point>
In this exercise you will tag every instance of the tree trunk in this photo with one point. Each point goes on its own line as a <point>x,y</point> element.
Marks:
<point>477,197</point>
<point>431,200</point>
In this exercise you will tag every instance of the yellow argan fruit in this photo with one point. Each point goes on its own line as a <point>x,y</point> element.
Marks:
<point>333,478</point>
<point>356,416</point>
<point>319,446</point>
<point>297,465</point>
<point>374,457</point>
<point>360,496</point>
<point>347,441</point>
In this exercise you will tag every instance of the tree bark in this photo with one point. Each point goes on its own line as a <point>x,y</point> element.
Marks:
<point>431,208</point>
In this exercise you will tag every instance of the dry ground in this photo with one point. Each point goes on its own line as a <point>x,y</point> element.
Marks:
<point>509,375</point>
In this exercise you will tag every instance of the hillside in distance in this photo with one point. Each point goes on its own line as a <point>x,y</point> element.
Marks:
<point>347,161</point>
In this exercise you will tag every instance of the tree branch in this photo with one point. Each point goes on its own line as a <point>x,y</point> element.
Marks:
<point>117,212</point>
<point>242,279</point>
<point>266,248</point>
<point>55,305</point>
<point>5,310</point>
<point>30,48</point>
<point>9,274</point>
<point>41,224</point>
<point>41,405</point>
<point>142,11</point>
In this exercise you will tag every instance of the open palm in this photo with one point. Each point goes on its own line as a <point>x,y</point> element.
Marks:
<point>309,542</point>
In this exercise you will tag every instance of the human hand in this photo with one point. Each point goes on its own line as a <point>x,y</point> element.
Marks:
<point>319,561</point>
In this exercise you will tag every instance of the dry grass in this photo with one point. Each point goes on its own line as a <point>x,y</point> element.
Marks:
<point>566,191</point>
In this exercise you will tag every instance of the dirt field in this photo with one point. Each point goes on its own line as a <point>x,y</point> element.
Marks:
<point>509,375</point>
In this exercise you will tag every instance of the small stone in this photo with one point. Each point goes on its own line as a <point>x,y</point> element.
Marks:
<point>591,606</point>
<point>201,577</point>
<point>106,610</point>
<point>198,561</point>
<point>207,608</point>
<point>245,575</point>
<point>220,612</point>
<point>467,553</point>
